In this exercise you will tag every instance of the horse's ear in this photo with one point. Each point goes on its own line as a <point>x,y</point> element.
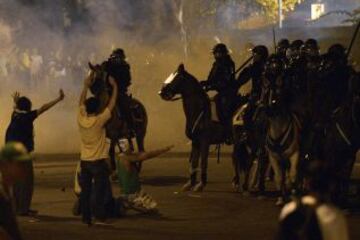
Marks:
<point>92,67</point>
<point>181,68</point>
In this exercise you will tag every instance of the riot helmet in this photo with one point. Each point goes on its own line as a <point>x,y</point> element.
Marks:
<point>260,53</point>
<point>282,46</point>
<point>274,67</point>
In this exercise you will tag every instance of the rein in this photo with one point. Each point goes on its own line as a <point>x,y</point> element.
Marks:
<point>340,130</point>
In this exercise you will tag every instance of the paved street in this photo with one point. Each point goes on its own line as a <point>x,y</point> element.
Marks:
<point>218,213</point>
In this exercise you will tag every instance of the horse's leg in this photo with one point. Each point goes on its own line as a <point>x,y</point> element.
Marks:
<point>293,173</point>
<point>194,164</point>
<point>275,163</point>
<point>263,163</point>
<point>236,167</point>
<point>345,174</point>
<point>248,161</point>
<point>131,144</point>
<point>204,155</point>
<point>112,155</point>
<point>244,165</point>
<point>140,143</point>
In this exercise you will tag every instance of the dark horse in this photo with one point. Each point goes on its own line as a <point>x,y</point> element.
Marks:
<point>200,128</point>
<point>342,141</point>
<point>116,128</point>
<point>249,155</point>
<point>282,138</point>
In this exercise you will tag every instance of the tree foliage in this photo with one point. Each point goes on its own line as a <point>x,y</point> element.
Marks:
<point>271,7</point>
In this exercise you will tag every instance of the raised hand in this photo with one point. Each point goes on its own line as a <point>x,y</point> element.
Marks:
<point>61,94</point>
<point>15,96</point>
<point>89,80</point>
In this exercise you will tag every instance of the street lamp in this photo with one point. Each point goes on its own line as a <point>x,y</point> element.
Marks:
<point>280,3</point>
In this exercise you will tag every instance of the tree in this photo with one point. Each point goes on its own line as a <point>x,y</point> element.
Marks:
<point>270,7</point>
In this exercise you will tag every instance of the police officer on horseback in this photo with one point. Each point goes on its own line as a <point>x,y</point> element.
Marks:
<point>254,72</point>
<point>222,80</point>
<point>118,67</point>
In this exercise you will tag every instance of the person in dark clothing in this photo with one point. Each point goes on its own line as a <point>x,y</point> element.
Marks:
<point>21,129</point>
<point>336,74</point>
<point>117,67</point>
<point>222,80</point>
<point>282,47</point>
<point>254,72</point>
<point>222,74</point>
<point>12,157</point>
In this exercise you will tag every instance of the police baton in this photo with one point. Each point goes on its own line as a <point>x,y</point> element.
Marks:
<point>244,64</point>
<point>353,39</point>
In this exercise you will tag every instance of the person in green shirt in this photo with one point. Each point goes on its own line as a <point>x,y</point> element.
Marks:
<point>12,157</point>
<point>127,168</point>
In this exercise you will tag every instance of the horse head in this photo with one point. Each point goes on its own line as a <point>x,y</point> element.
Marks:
<point>275,85</point>
<point>99,80</point>
<point>174,84</point>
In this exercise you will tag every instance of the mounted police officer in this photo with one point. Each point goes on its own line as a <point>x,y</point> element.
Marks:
<point>222,80</point>
<point>117,67</point>
<point>337,73</point>
<point>254,72</point>
<point>282,47</point>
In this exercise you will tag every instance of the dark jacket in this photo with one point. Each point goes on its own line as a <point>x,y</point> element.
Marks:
<point>222,75</point>
<point>120,70</point>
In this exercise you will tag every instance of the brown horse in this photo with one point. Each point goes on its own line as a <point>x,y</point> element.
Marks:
<point>117,128</point>
<point>201,129</point>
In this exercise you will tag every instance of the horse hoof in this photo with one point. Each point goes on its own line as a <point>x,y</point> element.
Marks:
<point>280,202</point>
<point>199,187</point>
<point>187,187</point>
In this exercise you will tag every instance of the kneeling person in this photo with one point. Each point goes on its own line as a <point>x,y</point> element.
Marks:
<point>128,174</point>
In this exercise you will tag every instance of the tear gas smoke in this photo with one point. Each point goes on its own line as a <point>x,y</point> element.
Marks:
<point>156,36</point>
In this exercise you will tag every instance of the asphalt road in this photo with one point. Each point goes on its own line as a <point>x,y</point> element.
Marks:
<point>217,213</point>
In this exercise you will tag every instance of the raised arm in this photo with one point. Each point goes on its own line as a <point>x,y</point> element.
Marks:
<point>114,94</point>
<point>87,83</point>
<point>49,105</point>
<point>151,154</point>
<point>16,97</point>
